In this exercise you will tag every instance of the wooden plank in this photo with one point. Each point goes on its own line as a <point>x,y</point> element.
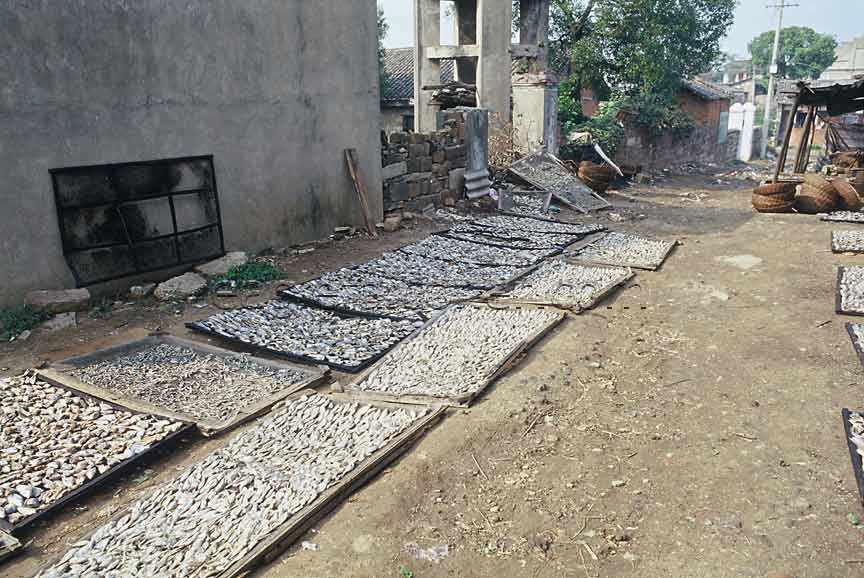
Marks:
<point>9,545</point>
<point>57,375</point>
<point>300,523</point>
<point>360,188</point>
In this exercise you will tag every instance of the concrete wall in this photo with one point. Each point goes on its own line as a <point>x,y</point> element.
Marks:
<point>275,89</point>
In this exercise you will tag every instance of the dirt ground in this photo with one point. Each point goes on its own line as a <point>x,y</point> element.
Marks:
<point>689,427</point>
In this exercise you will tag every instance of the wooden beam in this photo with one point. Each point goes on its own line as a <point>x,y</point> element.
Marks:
<point>526,51</point>
<point>781,161</point>
<point>360,188</point>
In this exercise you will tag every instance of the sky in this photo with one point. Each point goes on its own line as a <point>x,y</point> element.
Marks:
<point>840,18</point>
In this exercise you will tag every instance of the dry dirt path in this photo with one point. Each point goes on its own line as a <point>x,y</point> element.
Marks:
<point>717,407</point>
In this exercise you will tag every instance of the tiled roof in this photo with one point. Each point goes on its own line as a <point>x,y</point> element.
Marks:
<point>706,90</point>
<point>399,64</point>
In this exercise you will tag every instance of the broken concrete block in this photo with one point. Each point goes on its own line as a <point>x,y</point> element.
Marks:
<point>222,265</point>
<point>394,170</point>
<point>141,291</point>
<point>392,223</point>
<point>58,301</point>
<point>60,321</point>
<point>181,288</point>
<point>457,180</point>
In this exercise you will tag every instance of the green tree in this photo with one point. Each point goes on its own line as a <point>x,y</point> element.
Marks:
<point>804,53</point>
<point>383,28</point>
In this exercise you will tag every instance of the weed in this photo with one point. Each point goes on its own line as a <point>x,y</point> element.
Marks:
<point>405,572</point>
<point>254,271</point>
<point>15,321</point>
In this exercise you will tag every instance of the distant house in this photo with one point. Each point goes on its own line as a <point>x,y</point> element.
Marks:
<point>397,100</point>
<point>707,103</point>
<point>849,63</point>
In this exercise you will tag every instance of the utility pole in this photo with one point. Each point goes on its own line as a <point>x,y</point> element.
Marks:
<point>772,72</point>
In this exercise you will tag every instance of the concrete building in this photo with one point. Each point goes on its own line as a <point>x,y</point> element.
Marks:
<point>849,63</point>
<point>274,89</point>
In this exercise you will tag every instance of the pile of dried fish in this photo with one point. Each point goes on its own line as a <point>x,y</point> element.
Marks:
<point>308,333</point>
<point>851,290</point>
<point>539,226</point>
<point>458,353</point>
<point>856,428</point>
<point>529,204</point>
<point>360,291</point>
<point>624,250</point>
<point>53,441</point>
<point>203,386</point>
<point>417,270</point>
<point>847,241</point>
<point>844,217</point>
<point>565,284</point>
<point>515,239</point>
<point>438,247</point>
<point>545,172</point>
<point>219,509</point>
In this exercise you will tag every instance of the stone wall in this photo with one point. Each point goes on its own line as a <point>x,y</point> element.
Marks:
<point>274,89</point>
<point>700,146</point>
<point>423,169</point>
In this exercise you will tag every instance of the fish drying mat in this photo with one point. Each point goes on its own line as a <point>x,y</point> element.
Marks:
<point>537,226</point>
<point>624,250</point>
<point>308,334</point>
<point>359,293</point>
<point>455,251</point>
<point>849,298</point>
<point>545,172</point>
<point>117,440</point>
<point>853,425</point>
<point>856,334</point>
<point>509,239</point>
<point>428,272</point>
<point>566,285</point>
<point>847,241</point>
<point>457,355</point>
<point>844,217</point>
<point>246,502</point>
<point>142,376</point>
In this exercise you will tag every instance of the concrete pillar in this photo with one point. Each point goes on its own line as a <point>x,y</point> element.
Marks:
<point>745,146</point>
<point>535,113</point>
<point>477,180</point>
<point>427,32</point>
<point>534,30</point>
<point>466,35</point>
<point>494,23</point>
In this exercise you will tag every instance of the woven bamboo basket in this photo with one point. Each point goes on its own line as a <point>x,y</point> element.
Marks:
<point>784,190</point>
<point>816,199</point>
<point>849,198</point>
<point>772,204</point>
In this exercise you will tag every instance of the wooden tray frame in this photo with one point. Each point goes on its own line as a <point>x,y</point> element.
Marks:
<point>857,465</point>
<point>510,361</point>
<point>838,298</point>
<point>585,210</point>
<point>9,545</point>
<point>573,256</point>
<point>116,471</point>
<point>283,536</point>
<point>550,253</point>
<point>834,248</point>
<point>601,294</point>
<point>57,375</point>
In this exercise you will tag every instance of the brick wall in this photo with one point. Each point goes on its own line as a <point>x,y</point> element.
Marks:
<point>423,169</point>
<point>700,146</point>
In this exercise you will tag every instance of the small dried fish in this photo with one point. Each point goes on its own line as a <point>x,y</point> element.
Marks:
<point>620,249</point>
<point>851,290</point>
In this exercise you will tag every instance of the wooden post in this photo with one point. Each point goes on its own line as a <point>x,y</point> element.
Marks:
<point>354,169</point>
<point>781,161</point>
<point>804,145</point>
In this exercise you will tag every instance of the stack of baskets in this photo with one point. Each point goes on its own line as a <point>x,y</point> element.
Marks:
<point>597,177</point>
<point>817,195</point>
<point>774,197</point>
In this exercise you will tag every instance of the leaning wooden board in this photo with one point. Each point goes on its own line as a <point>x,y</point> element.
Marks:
<point>9,545</point>
<point>462,401</point>
<point>545,172</point>
<point>58,375</point>
<point>115,472</point>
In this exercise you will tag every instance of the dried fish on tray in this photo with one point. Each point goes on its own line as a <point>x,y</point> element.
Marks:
<point>856,334</point>
<point>623,250</point>
<point>417,270</point>
<point>177,378</point>
<point>544,171</point>
<point>223,514</point>
<point>355,291</point>
<point>844,217</point>
<point>498,237</point>
<point>850,291</point>
<point>308,334</point>
<point>847,241</point>
<point>9,545</point>
<point>458,354</point>
<point>530,204</point>
<point>55,445</point>
<point>445,249</point>
<point>538,226</point>
<point>853,425</point>
<point>567,285</point>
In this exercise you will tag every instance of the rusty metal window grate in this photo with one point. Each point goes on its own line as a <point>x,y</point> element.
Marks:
<point>125,219</point>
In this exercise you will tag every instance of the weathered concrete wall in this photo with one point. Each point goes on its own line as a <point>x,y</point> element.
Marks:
<point>275,89</point>
<point>700,146</point>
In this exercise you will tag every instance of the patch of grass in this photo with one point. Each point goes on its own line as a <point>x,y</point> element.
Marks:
<point>253,271</point>
<point>16,320</point>
<point>405,572</point>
